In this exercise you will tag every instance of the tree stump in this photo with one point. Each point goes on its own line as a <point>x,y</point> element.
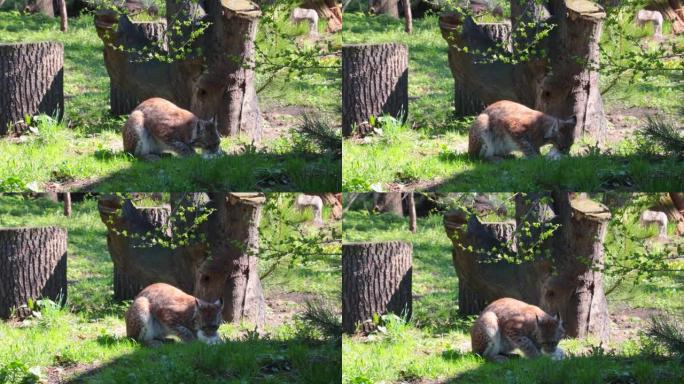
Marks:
<point>33,265</point>
<point>376,279</point>
<point>32,82</point>
<point>384,7</point>
<point>329,10</point>
<point>374,82</point>
<point>127,286</point>
<point>467,102</point>
<point>388,202</point>
<point>562,82</point>
<point>561,283</point>
<point>122,97</point>
<point>215,81</point>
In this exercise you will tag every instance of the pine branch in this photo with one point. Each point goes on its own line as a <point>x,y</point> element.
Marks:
<point>318,131</point>
<point>668,332</point>
<point>665,134</point>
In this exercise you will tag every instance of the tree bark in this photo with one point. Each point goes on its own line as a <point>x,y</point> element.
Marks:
<point>385,7</point>
<point>388,202</point>
<point>562,83</point>
<point>216,83</point>
<point>467,102</point>
<point>237,214</point>
<point>376,279</point>
<point>561,282</point>
<point>412,213</point>
<point>225,265</point>
<point>45,7</point>
<point>374,82</point>
<point>32,82</point>
<point>33,264</point>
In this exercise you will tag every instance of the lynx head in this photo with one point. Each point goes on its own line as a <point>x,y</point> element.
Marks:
<point>208,317</point>
<point>206,136</point>
<point>549,332</point>
<point>561,134</point>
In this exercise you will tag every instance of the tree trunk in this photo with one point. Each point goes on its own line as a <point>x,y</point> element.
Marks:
<point>237,214</point>
<point>63,17</point>
<point>45,7</point>
<point>389,202</point>
<point>33,265</point>
<point>218,82</point>
<point>385,7</point>
<point>376,279</point>
<point>32,82</point>
<point>412,213</point>
<point>374,82</point>
<point>408,17</point>
<point>329,10</point>
<point>467,102</point>
<point>562,83</point>
<point>561,282</point>
<point>334,200</point>
<point>225,265</point>
<point>67,203</point>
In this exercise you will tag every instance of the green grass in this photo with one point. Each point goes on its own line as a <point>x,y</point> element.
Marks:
<point>430,151</point>
<point>88,333</point>
<point>434,346</point>
<point>84,152</point>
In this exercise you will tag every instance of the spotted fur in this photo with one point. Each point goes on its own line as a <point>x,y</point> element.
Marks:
<point>508,324</point>
<point>162,310</point>
<point>157,126</point>
<point>505,127</point>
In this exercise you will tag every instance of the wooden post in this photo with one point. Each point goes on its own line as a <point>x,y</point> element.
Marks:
<point>376,279</point>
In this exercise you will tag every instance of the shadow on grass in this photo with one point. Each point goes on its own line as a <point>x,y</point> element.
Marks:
<point>602,368</point>
<point>244,172</point>
<point>297,360</point>
<point>593,173</point>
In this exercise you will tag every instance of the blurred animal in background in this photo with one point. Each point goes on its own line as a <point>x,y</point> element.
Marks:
<point>644,16</point>
<point>656,218</point>
<point>309,15</point>
<point>311,201</point>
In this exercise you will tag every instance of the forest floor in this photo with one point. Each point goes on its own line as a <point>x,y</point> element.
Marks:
<point>434,346</point>
<point>86,340</point>
<point>85,151</point>
<point>429,152</point>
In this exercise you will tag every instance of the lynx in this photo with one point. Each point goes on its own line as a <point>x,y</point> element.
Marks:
<point>506,126</point>
<point>161,310</point>
<point>157,126</point>
<point>507,324</point>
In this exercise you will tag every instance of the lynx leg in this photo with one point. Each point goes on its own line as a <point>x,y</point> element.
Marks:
<point>150,157</point>
<point>139,322</point>
<point>528,149</point>
<point>185,334</point>
<point>182,149</point>
<point>486,338</point>
<point>526,346</point>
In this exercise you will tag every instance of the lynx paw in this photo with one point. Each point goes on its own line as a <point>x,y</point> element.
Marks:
<point>212,155</point>
<point>556,355</point>
<point>554,154</point>
<point>213,340</point>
